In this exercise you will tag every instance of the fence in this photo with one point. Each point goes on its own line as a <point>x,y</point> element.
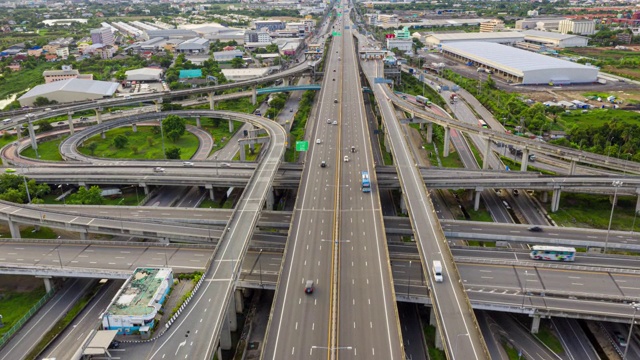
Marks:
<point>5,338</point>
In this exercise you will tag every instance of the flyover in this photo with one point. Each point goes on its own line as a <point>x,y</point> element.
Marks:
<point>276,89</point>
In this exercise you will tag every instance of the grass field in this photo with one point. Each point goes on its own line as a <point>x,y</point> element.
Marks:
<point>593,211</point>
<point>596,117</point>
<point>15,304</point>
<point>188,143</point>
<point>248,155</point>
<point>48,150</point>
<point>219,133</point>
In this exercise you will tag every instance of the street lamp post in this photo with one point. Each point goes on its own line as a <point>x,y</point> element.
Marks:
<point>24,178</point>
<point>215,160</point>
<point>409,282</point>
<point>524,294</point>
<point>616,184</point>
<point>120,211</point>
<point>59,257</point>
<point>636,306</point>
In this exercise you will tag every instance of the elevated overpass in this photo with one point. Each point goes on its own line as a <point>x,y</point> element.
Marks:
<point>287,88</point>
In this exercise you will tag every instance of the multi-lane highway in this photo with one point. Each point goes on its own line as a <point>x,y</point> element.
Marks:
<point>300,322</point>
<point>453,311</point>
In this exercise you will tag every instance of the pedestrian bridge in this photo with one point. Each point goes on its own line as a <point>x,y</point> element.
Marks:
<point>287,88</point>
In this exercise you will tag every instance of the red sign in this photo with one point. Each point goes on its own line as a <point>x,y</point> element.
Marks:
<point>390,36</point>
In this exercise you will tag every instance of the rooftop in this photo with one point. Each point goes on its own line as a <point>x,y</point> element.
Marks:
<point>508,57</point>
<point>548,35</point>
<point>103,88</point>
<point>478,36</point>
<point>136,297</point>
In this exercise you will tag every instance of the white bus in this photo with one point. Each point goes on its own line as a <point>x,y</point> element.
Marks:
<point>553,253</point>
<point>483,124</point>
<point>6,121</point>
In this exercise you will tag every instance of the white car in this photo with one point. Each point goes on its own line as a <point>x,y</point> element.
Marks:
<point>158,169</point>
<point>318,141</point>
<point>346,159</point>
<point>328,121</point>
<point>335,122</point>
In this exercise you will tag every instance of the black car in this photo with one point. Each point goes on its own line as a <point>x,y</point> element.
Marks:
<point>535,229</point>
<point>323,164</point>
<point>114,344</point>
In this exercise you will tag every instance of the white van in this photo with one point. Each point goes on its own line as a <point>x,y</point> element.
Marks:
<point>437,271</point>
<point>6,121</point>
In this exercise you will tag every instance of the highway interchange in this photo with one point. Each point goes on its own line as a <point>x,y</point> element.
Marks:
<point>336,238</point>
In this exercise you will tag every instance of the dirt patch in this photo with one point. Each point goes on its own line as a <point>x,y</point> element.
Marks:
<point>12,283</point>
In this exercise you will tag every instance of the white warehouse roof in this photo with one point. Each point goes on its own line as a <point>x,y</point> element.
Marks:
<point>506,36</point>
<point>70,90</point>
<point>531,67</point>
<point>144,74</point>
<point>557,39</point>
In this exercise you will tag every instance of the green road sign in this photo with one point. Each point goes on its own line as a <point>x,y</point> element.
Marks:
<point>339,14</point>
<point>302,145</point>
<point>335,33</point>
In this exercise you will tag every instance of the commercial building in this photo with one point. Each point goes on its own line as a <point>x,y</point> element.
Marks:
<point>223,56</point>
<point>66,73</point>
<point>402,45</point>
<point>144,74</point>
<point>508,38</point>
<point>251,36</point>
<point>542,24</point>
<point>271,25</point>
<point>137,304</point>
<point>102,36</point>
<point>63,52</point>
<point>492,25</point>
<point>519,66</point>
<point>70,90</point>
<point>550,39</point>
<point>245,74</point>
<point>171,34</point>
<point>193,46</point>
<point>579,27</point>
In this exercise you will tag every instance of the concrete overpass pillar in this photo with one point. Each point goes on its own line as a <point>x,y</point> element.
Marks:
<point>429,133</point>
<point>438,340</point>
<point>134,127</point>
<point>14,228</point>
<point>198,125</point>
<point>535,324</point>
<point>103,135</point>
<point>219,352</point>
<point>572,169</point>
<point>270,199</point>
<point>638,200</point>
<point>47,284</point>
<point>83,236</point>
<point>432,318</point>
<point>145,188</point>
<point>555,200</point>
<point>32,136</point>
<point>230,126</point>
<point>285,81</point>
<point>545,196</point>
<point>487,154</point>
<point>254,95</point>
<point>18,132</point>
<point>476,200</point>
<point>525,159</point>
<point>225,336</point>
<point>212,104</point>
<point>70,115</point>
<point>211,194</point>
<point>447,141</point>
<point>98,115</point>
<point>239,301</point>
<point>231,315</point>
<point>403,205</point>
<point>243,153</point>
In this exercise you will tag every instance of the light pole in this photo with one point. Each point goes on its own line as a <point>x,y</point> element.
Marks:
<point>616,184</point>
<point>260,266</point>
<point>24,178</point>
<point>524,284</point>
<point>120,210</point>
<point>636,306</point>
<point>215,160</point>
<point>409,282</point>
<point>59,257</point>
<point>64,198</point>
<point>164,153</point>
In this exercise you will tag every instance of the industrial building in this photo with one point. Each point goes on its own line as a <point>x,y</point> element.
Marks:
<point>575,26</point>
<point>550,39</point>
<point>507,37</point>
<point>70,90</point>
<point>543,24</point>
<point>66,73</point>
<point>144,74</point>
<point>519,66</point>
<point>136,305</point>
<point>193,46</point>
<point>245,74</point>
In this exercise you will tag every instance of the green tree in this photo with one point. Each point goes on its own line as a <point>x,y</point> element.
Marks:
<point>41,101</point>
<point>150,140</point>
<point>13,195</point>
<point>120,141</point>
<point>92,196</point>
<point>174,123</point>
<point>173,153</point>
<point>237,63</point>
<point>173,135</point>
<point>43,126</point>
<point>92,147</point>
<point>134,149</point>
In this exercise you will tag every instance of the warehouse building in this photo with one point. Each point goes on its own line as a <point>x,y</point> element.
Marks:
<point>507,37</point>
<point>144,74</point>
<point>576,26</point>
<point>550,39</point>
<point>519,66</point>
<point>544,24</point>
<point>70,90</point>
<point>135,307</point>
<point>245,74</point>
